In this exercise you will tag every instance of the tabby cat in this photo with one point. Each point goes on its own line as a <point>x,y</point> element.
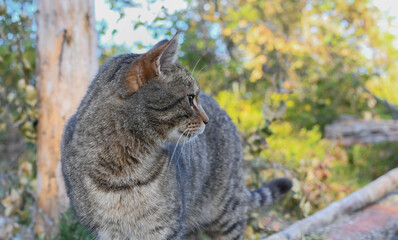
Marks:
<point>147,155</point>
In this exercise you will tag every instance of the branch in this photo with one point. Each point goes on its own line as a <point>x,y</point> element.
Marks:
<point>391,107</point>
<point>353,202</point>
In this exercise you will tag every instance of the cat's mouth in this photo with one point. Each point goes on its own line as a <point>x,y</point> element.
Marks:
<point>192,130</point>
<point>188,134</point>
<point>191,134</point>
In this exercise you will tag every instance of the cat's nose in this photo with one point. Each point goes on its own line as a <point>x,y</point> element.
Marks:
<point>203,115</point>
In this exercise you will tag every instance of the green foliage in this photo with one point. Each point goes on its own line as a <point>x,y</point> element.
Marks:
<point>71,229</point>
<point>314,237</point>
<point>244,112</point>
<point>285,46</point>
<point>108,52</point>
<point>18,117</point>
<point>18,95</point>
<point>17,196</point>
<point>313,160</point>
<point>368,162</point>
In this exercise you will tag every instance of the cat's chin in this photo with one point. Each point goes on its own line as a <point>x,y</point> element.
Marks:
<point>181,136</point>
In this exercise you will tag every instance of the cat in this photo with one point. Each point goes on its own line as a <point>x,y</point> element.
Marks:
<point>148,155</point>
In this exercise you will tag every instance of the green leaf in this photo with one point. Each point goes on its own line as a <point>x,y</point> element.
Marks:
<point>121,16</point>
<point>138,24</point>
<point>159,19</point>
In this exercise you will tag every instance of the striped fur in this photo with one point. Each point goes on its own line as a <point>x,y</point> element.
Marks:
<point>142,165</point>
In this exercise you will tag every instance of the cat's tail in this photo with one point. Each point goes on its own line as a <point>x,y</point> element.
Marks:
<point>269,193</point>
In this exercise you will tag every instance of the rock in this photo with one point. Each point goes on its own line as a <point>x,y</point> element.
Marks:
<point>378,221</point>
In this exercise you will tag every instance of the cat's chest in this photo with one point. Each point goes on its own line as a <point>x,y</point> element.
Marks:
<point>130,204</point>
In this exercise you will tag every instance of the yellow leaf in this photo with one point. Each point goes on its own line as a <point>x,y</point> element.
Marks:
<point>21,84</point>
<point>31,95</point>
<point>256,74</point>
<point>242,23</point>
<point>249,231</point>
<point>287,85</point>
<point>227,31</point>
<point>11,202</point>
<point>26,168</point>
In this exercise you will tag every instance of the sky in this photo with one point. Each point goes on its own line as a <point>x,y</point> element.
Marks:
<point>126,35</point>
<point>390,7</point>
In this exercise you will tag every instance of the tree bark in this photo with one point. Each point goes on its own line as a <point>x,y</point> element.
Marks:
<point>66,59</point>
<point>355,201</point>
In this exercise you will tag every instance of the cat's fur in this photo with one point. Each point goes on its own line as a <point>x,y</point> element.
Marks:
<point>125,174</point>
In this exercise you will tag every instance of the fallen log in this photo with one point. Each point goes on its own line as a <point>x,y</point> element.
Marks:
<point>363,131</point>
<point>353,202</point>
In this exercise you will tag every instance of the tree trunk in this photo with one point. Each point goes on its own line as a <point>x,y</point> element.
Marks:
<point>66,61</point>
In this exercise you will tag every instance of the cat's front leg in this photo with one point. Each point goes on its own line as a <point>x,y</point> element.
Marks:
<point>231,224</point>
<point>159,232</point>
<point>233,230</point>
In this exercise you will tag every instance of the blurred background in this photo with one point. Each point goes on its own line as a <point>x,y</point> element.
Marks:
<point>285,71</point>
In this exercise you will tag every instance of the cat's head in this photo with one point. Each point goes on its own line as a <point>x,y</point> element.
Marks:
<point>167,92</point>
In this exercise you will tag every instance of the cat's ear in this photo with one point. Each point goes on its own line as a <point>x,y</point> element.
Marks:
<point>170,53</point>
<point>149,65</point>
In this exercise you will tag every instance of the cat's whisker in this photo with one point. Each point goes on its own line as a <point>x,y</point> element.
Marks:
<point>175,148</point>
<point>201,70</point>
<point>195,65</point>
<point>190,151</point>
<point>182,148</point>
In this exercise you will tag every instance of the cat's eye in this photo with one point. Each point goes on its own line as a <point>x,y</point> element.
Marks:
<point>190,99</point>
